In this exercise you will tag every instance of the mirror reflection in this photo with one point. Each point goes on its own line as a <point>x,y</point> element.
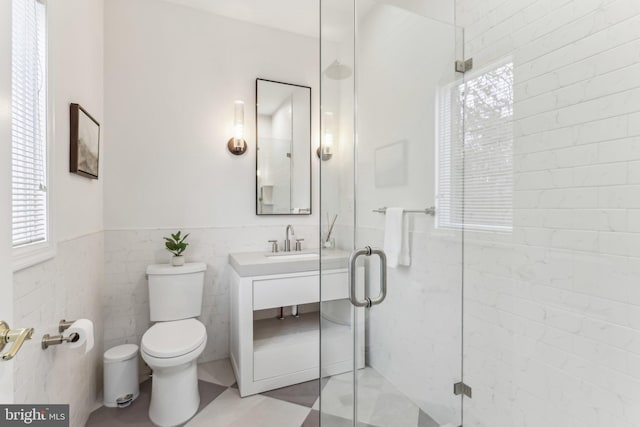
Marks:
<point>283,165</point>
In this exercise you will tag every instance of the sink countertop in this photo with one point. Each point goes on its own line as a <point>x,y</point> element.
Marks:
<point>265,263</point>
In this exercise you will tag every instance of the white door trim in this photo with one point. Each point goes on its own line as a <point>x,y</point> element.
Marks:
<point>6,270</point>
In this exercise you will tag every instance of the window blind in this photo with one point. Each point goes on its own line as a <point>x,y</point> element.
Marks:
<point>475,152</point>
<point>29,124</point>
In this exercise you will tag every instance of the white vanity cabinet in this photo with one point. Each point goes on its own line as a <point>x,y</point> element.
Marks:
<point>269,353</point>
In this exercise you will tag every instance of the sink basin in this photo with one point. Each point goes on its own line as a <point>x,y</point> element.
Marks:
<point>276,257</point>
<point>249,264</point>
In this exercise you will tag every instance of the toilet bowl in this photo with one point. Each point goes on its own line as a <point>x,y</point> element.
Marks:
<point>172,345</point>
<point>171,350</point>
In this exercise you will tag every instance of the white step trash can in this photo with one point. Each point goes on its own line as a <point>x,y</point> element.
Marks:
<point>121,376</point>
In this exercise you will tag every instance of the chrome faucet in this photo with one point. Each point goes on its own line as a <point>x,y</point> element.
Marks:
<point>287,242</point>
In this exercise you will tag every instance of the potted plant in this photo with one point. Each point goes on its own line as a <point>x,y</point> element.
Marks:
<point>177,245</point>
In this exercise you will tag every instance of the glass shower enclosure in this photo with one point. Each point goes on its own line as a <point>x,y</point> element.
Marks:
<point>388,87</point>
<point>518,303</point>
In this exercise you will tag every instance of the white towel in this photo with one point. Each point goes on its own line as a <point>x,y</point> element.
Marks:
<point>396,238</point>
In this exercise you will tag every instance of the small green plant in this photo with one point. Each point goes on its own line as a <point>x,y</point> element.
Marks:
<point>176,244</point>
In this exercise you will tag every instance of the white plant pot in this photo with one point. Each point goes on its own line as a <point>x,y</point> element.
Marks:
<point>177,261</point>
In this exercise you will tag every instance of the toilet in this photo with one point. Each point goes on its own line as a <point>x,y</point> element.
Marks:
<point>172,345</point>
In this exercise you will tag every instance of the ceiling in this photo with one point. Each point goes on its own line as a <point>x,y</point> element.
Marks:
<point>303,16</point>
<point>296,16</point>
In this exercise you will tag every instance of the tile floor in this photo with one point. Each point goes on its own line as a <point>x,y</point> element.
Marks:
<point>381,405</point>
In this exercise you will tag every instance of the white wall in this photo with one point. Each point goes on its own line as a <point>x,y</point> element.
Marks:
<point>281,120</point>
<point>279,171</point>
<point>552,310</point>
<point>265,125</point>
<point>172,74</point>
<point>76,67</point>
<point>300,149</point>
<point>170,108</point>
<point>70,285</point>
<point>440,10</point>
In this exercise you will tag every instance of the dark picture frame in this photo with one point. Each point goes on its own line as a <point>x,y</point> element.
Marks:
<point>84,147</point>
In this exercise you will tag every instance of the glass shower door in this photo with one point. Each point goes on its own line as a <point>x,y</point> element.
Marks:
<point>390,124</point>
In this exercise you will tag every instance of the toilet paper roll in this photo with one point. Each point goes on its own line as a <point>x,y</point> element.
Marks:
<point>84,329</point>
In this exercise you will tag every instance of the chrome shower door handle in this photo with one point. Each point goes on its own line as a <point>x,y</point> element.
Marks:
<point>353,259</point>
<point>383,277</point>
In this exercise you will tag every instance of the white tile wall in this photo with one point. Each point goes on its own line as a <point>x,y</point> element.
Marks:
<point>126,296</point>
<point>552,311</point>
<point>68,286</point>
<point>414,336</point>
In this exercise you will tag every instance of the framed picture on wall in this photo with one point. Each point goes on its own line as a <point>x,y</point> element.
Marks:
<point>84,151</point>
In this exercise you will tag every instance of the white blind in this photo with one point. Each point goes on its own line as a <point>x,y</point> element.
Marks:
<point>29,124</point>
<point>449,158</point>
<point>475,152</point>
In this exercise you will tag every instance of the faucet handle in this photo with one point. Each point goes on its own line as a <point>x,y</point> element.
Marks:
<point>299,244</point>
<point>274,245</point>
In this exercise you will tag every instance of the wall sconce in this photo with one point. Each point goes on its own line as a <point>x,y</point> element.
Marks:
<point>237,145</point>
<point>325,152</point>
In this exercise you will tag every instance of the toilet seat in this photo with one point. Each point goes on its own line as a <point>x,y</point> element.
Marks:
<point>173,362</point>
<point>166,340</point>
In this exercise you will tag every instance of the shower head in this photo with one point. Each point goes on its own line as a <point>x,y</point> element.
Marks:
<point>337,71</point>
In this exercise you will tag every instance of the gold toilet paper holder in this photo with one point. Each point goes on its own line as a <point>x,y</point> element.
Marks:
<point>49,340</point>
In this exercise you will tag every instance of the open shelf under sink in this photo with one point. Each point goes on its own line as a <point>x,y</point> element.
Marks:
<point>293,344</point>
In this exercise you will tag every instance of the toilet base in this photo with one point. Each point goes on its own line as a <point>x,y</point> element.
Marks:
<point>174,395</point>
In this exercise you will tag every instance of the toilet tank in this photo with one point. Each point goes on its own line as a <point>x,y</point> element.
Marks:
<point>175,292</point>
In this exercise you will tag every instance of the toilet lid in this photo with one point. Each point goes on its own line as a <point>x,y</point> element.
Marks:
<point>120,353</point>
<point>173,339</point>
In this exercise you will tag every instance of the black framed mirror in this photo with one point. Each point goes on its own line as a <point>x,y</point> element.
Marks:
<point>283,148</point>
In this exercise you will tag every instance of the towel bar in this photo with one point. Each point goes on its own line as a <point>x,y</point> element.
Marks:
<point>428,211</point>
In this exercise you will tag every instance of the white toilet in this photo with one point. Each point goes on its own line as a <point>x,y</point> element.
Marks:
<point>172,345</point>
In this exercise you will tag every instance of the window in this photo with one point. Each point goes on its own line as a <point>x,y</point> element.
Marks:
<point>30,210</point>
<point>475,152</point>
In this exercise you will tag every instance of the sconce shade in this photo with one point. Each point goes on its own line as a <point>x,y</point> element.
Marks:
<point>325,150</point>
<point>237,145</point>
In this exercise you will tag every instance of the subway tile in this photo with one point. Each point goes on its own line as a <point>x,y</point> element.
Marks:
<point>551,317</point>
